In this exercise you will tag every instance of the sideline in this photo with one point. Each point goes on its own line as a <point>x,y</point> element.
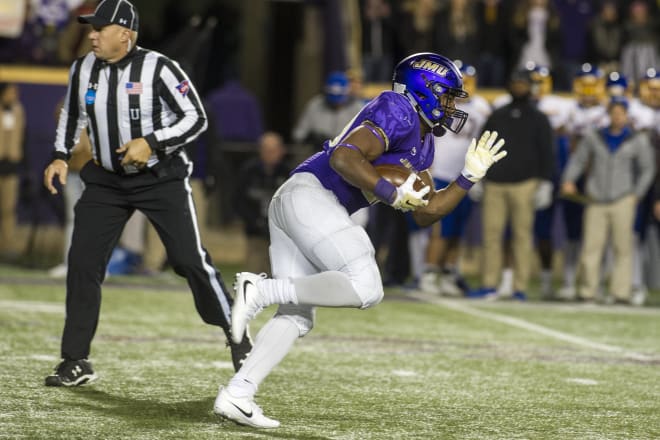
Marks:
<point>461,306</point>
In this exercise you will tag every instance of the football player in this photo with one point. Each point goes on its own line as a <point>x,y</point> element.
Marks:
<point>640,116</point>
<point>442,275</point>
<point>319,256</point>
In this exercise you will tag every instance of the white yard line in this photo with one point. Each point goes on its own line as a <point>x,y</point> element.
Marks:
<point>31,306</point>
<point>461,306</point>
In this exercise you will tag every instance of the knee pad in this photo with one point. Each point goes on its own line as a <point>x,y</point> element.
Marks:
<point>365,278</point>
<point>301,316</point>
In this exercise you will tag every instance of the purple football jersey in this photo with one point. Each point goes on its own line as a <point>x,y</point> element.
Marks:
<point>395,116</point>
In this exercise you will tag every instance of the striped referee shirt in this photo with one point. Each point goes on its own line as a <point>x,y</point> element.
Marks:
<point>145,94</point>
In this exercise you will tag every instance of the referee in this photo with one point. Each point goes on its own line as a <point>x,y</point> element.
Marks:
<point>140,110</point>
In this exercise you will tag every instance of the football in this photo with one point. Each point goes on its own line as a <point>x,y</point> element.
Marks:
<point>397,174</point>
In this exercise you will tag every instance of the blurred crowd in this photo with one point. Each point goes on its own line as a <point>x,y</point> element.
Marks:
<point>591,68</point>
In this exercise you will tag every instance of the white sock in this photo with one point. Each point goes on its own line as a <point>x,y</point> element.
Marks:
<point>273,342</point>
<point>276,291</point>
<point>546,279</point>
<point>506,285</point>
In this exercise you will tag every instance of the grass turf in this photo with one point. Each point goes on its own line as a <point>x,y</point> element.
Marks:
<point>414,367</point>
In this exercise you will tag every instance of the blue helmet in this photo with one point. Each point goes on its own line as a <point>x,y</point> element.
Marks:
<point>616,84</point>
<point>432,82</point>
<point>337,88</point>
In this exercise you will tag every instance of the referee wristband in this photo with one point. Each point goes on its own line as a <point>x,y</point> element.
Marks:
<point>385,191</point>
<point>464,182</point>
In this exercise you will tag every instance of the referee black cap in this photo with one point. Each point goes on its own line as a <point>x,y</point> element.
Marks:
<point>120,12</point>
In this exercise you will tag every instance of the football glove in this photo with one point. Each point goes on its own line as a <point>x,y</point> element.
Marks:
<point>407,199</point>
<point>482,155</point>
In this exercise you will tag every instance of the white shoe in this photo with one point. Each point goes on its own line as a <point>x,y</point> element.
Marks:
<point>638,297</point>
<point>567,293</point>
<point>58,271</point>
<point>428,283</point>
<point>246,304</point>
<point>448,286</point>
<point>242,411</point>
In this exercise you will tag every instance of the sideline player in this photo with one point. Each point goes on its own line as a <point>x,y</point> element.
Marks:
<point>442,275</point>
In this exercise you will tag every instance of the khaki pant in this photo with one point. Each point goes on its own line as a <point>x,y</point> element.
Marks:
<point>602,221</point>
<point>8,199</point>
<point>504,202</point>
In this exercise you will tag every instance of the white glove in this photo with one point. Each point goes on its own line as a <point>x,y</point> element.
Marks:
<point>482,155</point>
<point>476,193</point>
<point>407,199</point>
<point>543,195</point>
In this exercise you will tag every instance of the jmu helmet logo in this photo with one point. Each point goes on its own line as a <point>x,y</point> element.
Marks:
<point>430,66</point>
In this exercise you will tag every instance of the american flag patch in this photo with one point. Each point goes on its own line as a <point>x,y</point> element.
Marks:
<point>183,87</point>
<point>134,88</point>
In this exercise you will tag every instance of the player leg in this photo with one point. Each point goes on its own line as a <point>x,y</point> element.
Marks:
<point>272,343</point>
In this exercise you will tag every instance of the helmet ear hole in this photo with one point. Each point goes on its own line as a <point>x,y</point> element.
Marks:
<point>420,96</point>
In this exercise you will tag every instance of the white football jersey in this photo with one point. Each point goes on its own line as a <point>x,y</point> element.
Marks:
<point>450,149</point>
<point>556,109</point>
<point>582,119</point>
<point>641,116</point>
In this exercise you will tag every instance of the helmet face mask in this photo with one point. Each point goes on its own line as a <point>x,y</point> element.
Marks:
<point>432,83</point>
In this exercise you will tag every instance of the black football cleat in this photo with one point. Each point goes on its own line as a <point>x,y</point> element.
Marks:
<point>70,373</point>
<point>240,351</point>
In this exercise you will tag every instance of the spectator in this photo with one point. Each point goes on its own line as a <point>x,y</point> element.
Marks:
<point>72,41</point>
<point>510,188</point>
<point>535,35</point>
<point>613,187</point>
<point>258,180</point>
<point>605,38</point>
<point>12,133</point>
<point>641,41</point>
<point>417,28</point>
<point>492,25</point>
<point>574,18</point>
<point>460,37</point>
<point>327,113</point>
<point>377,40</point>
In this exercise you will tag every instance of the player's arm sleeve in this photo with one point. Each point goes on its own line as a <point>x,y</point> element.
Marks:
<point>390,120</point>
<point>177,91</point>
<point>71,119</point>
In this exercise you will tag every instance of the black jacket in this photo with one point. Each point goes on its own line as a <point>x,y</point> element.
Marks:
<point>529,143</point>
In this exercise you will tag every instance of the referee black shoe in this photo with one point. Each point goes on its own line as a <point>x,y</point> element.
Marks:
<point>240,351</point>
<point>70,373</point>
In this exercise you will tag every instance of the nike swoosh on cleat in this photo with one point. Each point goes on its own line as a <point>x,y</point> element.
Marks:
<point>245,283</point>
<point>246,414</point>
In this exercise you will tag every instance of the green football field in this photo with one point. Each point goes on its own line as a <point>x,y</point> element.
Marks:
<point>414,367</point>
